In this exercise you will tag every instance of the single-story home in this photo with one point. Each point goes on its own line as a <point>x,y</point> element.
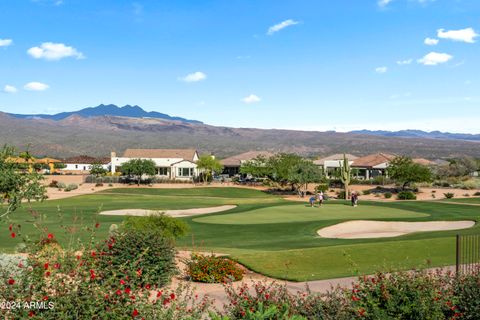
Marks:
<point>332,163</point>
<point>231,165</point>
<point>83,164</point>
<point>175,164</point>
<point>372,166</point>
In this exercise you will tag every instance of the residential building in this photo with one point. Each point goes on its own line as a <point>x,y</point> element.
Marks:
<point>332,163</point>
<point>371,166</point>
<point>175,164</point>
<point>83,164</point>
<point>231,165</point>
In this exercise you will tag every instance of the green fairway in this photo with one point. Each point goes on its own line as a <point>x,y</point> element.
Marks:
<point>268,234</point>
<point>303,212</point>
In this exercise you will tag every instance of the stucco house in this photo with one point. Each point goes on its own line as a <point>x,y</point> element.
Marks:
<point>332,163</point>
<point>373,165</point>
<point>231,165</point>
<point>174,164</point>
<point>83,164</point>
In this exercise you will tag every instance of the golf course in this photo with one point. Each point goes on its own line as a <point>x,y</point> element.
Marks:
<point>266,233</point>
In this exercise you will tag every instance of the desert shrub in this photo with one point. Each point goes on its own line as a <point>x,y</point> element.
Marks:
<point>477,194</point>
<point>470,185</point>
<point>166,226</point>
<point>213,269</point>
<point>406,195</point>
<point>61,185</point>
<point>321,187</point>
<point>110,185</point>
<point>341,194</point>
<point>387,195</point>
<point>71,186</point>
<point>366,192</point>
<point>449,195</point>
<point>131,253</point>
<point>99,185</point>
<point>404,295</point>
<point>53,184</point>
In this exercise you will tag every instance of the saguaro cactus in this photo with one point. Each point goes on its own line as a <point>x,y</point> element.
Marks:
<point>345,174</point>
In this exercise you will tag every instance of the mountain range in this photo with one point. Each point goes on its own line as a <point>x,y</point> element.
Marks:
<point>99,130</point>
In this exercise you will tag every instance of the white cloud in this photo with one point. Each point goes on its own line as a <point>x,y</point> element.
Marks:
<point>54,51</point>
<point>281,25</point>
<point>464,35</point>
<point>9,89</point>
<point>251,99</point>
<point>434,58</point>
<point>36,86</point>
<point>5,42</point>
<point>404,62</point>
<point>430,41</point>
<point>194,77</point>
<point>381,69</point>
<point>383,3</point>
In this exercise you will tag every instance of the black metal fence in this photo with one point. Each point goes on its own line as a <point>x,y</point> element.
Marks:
<point>468,253</point>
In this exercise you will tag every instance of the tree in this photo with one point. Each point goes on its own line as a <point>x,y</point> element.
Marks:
<point>97,170</point>
<point>303,173</point>
<point>209,165</point>
<point>137,168</point>
<point>405,171</point>
<point>17,184</point>
<point>281,166</point>
<point>257,167</point>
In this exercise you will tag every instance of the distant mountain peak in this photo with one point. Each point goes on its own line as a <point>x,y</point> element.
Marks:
<point>414,133</point>
<point>106,110</point>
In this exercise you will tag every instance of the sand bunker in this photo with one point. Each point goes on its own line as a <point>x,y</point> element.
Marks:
<point>171,213</point>
<point>361,229</point>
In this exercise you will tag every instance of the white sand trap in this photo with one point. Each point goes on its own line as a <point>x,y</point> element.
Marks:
<point>361,229</point>
<point>171,213</point>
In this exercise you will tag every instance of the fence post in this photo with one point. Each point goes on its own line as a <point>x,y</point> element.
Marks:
<point>457,260</point>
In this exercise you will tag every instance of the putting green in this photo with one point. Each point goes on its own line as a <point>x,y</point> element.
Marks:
<point>303,213</point>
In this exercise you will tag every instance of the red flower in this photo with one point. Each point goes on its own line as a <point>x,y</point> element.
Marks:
<point>92,276</point>
<point>172,296</point>
<point>31,314</point>
<point>97,225</point>
<point>122,281</point>
<point>166,301</point>
<point>135,313</point>
<point>10,227</point>
<point>56,265</point>
<point>267,296</point>
<point>78,257</point>
<point>45,298</point>
<point>118,292</point>
<point>106,296</point>
<point>128,290</point>
<point>132,297</point>
<point>50,236</point>
<point>13,234</point>
<point>45,265</point>
<point>47,274</point>
<point>11,281</point>
<point>159,294</point>
<point>20,265</point>
<point>147,286</point>
<point>93,254</point>
<point>361,312</point>
<point>354,298</point>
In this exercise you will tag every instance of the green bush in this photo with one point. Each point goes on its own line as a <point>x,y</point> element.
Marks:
<point>470,185</point>
<point>406,195</point>
<point>61,185</point>
<point>71,187</point>
<point>387,195</point>
<point>166,226</point>
<point>213,269</point>
<point>131,253</point>
<point>449,195</point>
<point>321,187</point>
<point>366,192</point>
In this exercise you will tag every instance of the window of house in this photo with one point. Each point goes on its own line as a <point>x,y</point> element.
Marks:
<point>185,172</point>
<point>163,171</point>
<point>76,166</point>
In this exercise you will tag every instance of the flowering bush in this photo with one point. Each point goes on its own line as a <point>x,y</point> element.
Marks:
<point>213,269</point>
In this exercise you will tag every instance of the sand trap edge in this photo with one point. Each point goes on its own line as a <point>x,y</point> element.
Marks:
<point>171,213</point>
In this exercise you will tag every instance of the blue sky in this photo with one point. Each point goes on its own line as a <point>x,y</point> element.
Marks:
<point>297,64</point>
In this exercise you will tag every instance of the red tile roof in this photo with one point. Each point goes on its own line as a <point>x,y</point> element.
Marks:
<point>372,160</point>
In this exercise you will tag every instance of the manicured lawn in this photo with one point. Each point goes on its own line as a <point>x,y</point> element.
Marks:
<point>475,200</point>
<point>268,234</point>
